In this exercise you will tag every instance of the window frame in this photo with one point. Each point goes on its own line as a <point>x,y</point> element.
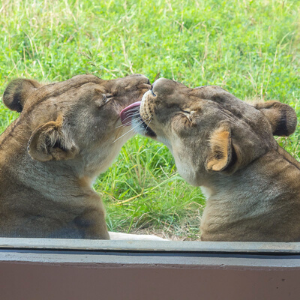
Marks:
<point>94,269</point>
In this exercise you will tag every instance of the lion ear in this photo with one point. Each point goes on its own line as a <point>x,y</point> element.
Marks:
<point>17,92</point>
<point>50,142</point>
<point>282,117</point>
<point>220,153</point>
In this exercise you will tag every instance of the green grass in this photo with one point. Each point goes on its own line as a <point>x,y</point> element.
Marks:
<point>251,48</point>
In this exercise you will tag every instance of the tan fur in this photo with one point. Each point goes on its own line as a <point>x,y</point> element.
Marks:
<point>220,154</point>
<point>67,133</point>
<point>227,147</point>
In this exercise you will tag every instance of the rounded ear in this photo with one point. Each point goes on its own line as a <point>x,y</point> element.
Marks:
<point>221,152</point>
<point>49,142</point>
<point>17,91</point>
<point>282,117</point>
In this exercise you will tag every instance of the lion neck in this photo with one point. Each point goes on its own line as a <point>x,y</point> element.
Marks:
<point>258,203</point>
<point>75,173</point>
<point>94,161</point>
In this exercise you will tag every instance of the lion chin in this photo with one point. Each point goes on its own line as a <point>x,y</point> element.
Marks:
<point>227,147</point>
<point>67,133</point>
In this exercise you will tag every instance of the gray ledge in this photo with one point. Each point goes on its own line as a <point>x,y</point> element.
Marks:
<point>150,246</point>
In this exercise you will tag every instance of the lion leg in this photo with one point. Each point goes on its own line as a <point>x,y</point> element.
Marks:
<point>92,224</point>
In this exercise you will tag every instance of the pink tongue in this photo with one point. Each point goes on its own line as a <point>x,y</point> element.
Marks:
<point>127,112</point>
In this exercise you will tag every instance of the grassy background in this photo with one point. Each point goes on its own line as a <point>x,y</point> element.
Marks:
<point>250,48</point>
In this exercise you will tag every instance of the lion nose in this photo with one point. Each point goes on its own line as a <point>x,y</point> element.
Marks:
<point>157,85</point>
<point>163,86</point>
<point>144,78</point>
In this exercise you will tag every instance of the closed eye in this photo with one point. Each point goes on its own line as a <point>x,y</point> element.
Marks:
<point>185,111</point>
<point>109,95</point>
<point>105,99</point>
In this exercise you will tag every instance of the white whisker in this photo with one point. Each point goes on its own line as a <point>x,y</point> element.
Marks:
<point>127,123</point>
<point>130,115</point>
<point>129,131</point>
<point>149,123</point>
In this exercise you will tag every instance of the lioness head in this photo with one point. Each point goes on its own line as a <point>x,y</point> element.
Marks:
<point>77,119</point>
<point>208,130</point>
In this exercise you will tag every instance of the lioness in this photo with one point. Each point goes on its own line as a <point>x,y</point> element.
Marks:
<point>67,133</point>
<point>227,146</point>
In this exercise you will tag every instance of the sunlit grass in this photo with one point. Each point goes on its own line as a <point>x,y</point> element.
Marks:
<point>250,48</point>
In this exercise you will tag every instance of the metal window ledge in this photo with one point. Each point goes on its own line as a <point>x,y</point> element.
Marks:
<point>92,269</point>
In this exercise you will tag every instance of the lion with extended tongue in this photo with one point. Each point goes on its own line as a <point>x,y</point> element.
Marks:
<point>227,147</point>
<point>67,133</point>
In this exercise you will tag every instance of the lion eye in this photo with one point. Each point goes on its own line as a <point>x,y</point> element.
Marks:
<point>102,101</point>
<point>185,111</point>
